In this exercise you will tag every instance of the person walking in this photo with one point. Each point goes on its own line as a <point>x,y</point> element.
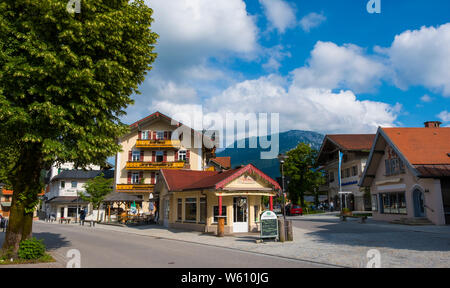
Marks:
<point>82,216</point>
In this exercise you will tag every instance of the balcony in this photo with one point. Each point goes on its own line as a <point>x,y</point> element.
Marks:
<point>155,165</point>
<point>158,143</point>
<point>135,187</point>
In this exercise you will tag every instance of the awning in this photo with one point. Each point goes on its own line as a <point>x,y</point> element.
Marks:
<point>246,193</point>
<point>66,200</point>
<point>122,197</point>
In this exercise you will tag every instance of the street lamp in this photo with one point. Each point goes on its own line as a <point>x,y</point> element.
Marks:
<point>282,158</point>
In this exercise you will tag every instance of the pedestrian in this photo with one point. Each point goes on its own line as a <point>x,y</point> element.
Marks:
<point>82,216</point>
<point>331,206</point>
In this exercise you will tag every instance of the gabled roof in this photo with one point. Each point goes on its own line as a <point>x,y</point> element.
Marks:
<point>158,115</point>
<point>425,151</point>
<point>83,174</point>
<point>346,142</point>
<point>224,162</point>
<point>352,141</point>
<point>182,180</point>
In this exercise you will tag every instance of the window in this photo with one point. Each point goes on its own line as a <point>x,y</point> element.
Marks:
<point>159,156</point>
<point>74,184</point>
<point>135,178</point>
<point>182,155</point>
<point>144,135</point>
<point>136,156</point>
<point>179,209</point>
<point>354,171</point>
<point>160,135</point>
<point>347,172</point>
<point>216,213</point>
<point>63,184</point>
<point>394,166</point>
<point>331,176</point>
<point>374,202</point>
<point>190,209</point>
<point>393,203</point>
<point>202,210</point>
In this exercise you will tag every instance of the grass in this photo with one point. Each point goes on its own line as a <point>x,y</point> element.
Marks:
<point>47,258</point>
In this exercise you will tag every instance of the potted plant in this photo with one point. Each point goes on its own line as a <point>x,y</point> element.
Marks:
<point>346,212</point>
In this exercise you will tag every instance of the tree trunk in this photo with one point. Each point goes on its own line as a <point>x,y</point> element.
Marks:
<point>26,185</point>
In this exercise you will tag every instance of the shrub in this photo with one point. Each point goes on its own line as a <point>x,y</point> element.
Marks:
<point>31,249</point>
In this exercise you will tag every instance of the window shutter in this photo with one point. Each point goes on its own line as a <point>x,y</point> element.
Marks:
<point>141,176</point>
<point>165,156</point>
<point>153,156</point>
<point>188,154</point>
<point>142,156</point>
<point>154,134</point>
<point>169,135</point>
<point>165,135</point>
<point>129,178</point>
<point>176,156</point>
<point>153,178</point>
<point>130,154</point>
<point>140,135</point>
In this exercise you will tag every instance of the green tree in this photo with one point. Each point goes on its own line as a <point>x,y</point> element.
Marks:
<point>96,190</point>
<point>65,79</point>
<point>301,167</point>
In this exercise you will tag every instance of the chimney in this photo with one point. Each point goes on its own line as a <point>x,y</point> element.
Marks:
<point>432,124</point>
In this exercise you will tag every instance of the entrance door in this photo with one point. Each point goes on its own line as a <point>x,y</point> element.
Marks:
<point>419,205</point>
<point>240,215</point>
<point>166,213</point>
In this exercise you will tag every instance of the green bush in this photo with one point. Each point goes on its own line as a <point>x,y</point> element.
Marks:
<point>31,249</point>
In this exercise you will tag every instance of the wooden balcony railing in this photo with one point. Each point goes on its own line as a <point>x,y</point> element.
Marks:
<point>158,143</point>
<point>134,187</point>
<point>155,165</point>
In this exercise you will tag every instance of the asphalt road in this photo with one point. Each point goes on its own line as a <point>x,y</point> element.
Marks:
<point>103,248</point>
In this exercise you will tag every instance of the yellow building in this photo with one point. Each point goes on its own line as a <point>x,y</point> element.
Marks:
<point>192,199</point>
<point>155,143</point>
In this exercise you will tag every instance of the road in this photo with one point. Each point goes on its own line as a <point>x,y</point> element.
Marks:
<point>104,248</point>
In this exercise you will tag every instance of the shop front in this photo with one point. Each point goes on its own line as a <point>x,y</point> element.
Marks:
<point>195,200</point>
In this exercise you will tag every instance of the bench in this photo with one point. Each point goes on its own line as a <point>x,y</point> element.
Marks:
<point>362,219</point>
<point>91,222</point>
<point>65,220</point>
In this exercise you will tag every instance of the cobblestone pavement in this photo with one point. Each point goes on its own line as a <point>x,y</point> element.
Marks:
<point>324,239</point>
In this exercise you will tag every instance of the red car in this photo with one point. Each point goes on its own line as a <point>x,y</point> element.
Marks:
<point>296,210</point>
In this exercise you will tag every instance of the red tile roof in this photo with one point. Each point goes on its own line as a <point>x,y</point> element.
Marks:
<point>225,162</point>
<point>353,141</point>
<point>179,180</point>
<point>422,146</point>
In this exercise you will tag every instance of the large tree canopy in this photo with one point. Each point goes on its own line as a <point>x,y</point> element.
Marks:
<point>65,79</point>
<point>301,167</point>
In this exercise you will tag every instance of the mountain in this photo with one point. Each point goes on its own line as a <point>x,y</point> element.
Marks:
<point>288,141</point>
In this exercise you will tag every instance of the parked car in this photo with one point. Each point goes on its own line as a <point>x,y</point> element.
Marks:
<point>295,210</point>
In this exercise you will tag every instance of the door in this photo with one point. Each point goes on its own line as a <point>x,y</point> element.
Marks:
<point>240,215</point>
<point>166,213</point>
<point>419,204</point>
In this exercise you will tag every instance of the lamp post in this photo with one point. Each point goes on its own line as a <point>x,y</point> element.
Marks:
<point>281,158</point>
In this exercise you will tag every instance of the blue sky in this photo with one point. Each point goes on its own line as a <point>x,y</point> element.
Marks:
<point>326,66</point>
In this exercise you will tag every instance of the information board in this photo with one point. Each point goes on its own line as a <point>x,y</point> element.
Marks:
<point>269,224</point>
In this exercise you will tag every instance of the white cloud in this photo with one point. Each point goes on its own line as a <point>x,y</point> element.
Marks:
<point>312,20</point>
<point>331,66</point>
<point>444,116</point>
<point>426,98</point>
<point>305,108</point>
<point>280,14</point>
<point>422,57</point>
